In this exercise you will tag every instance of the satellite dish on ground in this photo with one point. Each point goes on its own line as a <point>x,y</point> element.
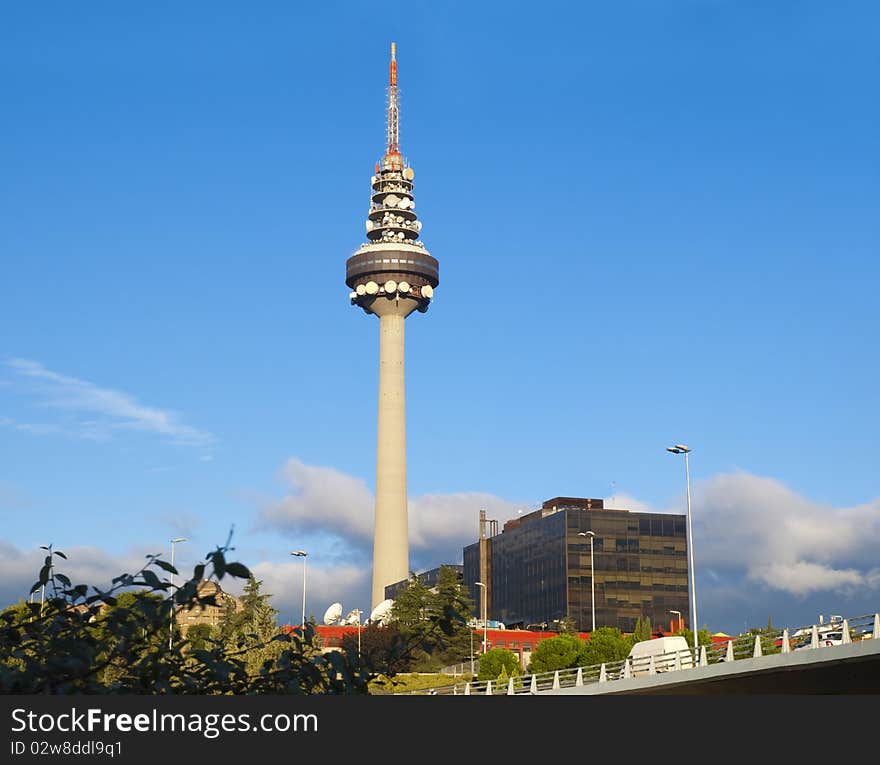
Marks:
<point>382,612</point>
<point>332,614</point>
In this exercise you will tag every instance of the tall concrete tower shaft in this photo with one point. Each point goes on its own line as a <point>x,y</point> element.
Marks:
<point>391,276</point>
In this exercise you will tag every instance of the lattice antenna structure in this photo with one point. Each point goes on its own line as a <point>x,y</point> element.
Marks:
<point>393,111</point>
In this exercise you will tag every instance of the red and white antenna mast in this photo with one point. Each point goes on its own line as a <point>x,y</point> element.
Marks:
<point>392,151</point>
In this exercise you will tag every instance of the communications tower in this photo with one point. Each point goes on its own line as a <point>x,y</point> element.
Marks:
<point>391,276</point>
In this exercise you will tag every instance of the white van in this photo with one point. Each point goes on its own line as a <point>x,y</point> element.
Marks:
<point>663,650</point>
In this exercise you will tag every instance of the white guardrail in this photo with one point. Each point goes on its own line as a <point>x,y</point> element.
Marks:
<point>747,646</point>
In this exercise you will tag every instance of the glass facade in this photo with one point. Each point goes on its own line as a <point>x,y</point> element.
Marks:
<point>541,570</point>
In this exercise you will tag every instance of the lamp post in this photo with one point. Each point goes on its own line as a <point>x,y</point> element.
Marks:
<point>682,449</point>
<point>591,534</point>
<point>678,613</point>
<point>303,554</point>
<point>484,599</point>
<point>171,623</point>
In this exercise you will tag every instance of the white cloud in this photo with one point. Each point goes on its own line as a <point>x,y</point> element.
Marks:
<point>782,540</point>
<point>114,409</point>
<point>802,578</point>
<point>321,499</point>
<point>326,500</point>
<point>627,502</point>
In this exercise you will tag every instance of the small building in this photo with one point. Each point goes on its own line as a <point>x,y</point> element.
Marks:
<point>205,613</point>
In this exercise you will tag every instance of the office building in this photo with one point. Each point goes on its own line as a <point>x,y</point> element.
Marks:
<point>538,569</point>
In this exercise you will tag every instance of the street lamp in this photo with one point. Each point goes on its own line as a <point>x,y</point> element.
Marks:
<point>591,534</point>
<point>484,599</point>
<point>682,449</point>
<point>302,554</point>
<point>171,623</point>
<point>673,611</point>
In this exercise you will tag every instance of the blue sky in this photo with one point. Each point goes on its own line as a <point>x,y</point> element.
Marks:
<point>656,223</point>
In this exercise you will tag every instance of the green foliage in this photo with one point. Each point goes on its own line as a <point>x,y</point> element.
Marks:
<point>383,649</point>
<point>383,685</point>
<point>91,640</point>
<point>199,635</point>
<point>703,636</point>
<point>497,662</point>
<point>432,621</point>
<point>560,652</point>
<point>643,630</point>
<point>605,645</point>
<point>249,625</point>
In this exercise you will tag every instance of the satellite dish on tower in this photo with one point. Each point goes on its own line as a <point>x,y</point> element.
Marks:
<point>332,614</point>
<point>408,173</point>
<point>382,612</point>
<point>391,286</point>
<point>391,201</point>
<point>372,288</point>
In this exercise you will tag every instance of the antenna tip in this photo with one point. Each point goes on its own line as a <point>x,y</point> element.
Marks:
<point>393,50</point>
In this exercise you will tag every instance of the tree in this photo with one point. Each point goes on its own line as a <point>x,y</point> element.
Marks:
<point>497,661</point>
<point>703,636</point>
<point>199,635</point>
<point>560,652</point>
<point>605,645</point>
<point>249,625</point>
<point>642,630</point>
<point>432,621</point>
<point>383,649</point>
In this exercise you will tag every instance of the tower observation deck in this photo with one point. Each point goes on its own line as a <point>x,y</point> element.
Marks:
<point>391,276</point>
